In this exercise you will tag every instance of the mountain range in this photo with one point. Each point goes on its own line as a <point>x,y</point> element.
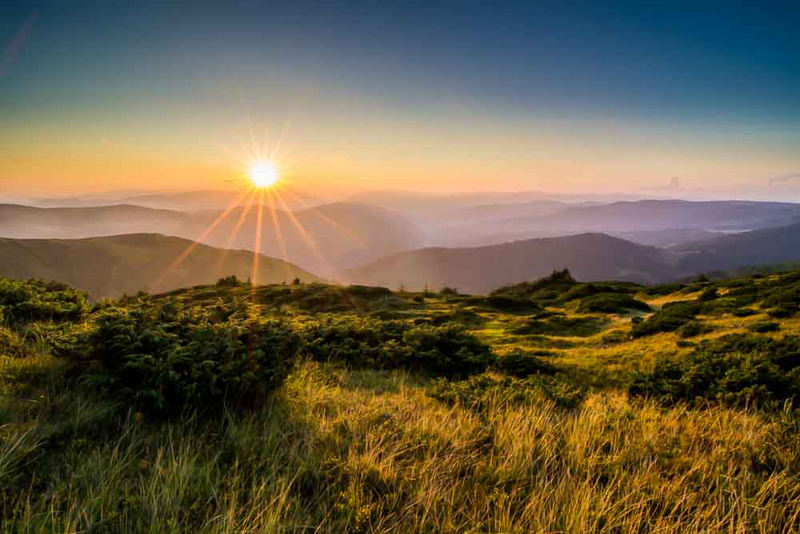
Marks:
<point>326,239</point>
<point>482,269</point>
<point>485,245</point>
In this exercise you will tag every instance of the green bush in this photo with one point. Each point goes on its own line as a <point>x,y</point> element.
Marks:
<point>611,303</point>
<point>356,341</point>
<point>662,289</point>
<point>548,288</point>
<point>165,360</point>
<point>480,392</point>
<point>10,343</point>
<point>362,342</point>
<point>583,290</point>
<point>709,293</point>
<point>447,350</point>
<point>784,300</point>
<point>228,281</point>
<point>613,337</point>
<point>37,300</point>
<point>511,303</point>
<point>737,369</point>
<point>669,318</point>
<point>694,328</point>
<point>523,364</point>
<point>762,327</point>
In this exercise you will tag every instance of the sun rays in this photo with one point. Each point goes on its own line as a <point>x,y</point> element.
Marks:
<point>265,182</point>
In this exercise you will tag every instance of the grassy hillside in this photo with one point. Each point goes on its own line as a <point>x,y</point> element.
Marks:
<point>111,266</point>
<point>546,406</point>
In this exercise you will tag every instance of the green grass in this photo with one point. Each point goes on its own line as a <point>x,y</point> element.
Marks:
<point>358,449</point>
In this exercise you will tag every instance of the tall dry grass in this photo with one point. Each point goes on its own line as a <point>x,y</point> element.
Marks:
<point>365,451</point>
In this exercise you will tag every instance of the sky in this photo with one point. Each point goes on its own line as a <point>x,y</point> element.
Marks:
<point>666,98</point>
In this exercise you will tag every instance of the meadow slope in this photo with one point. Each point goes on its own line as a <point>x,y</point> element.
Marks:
<point>549,406</point>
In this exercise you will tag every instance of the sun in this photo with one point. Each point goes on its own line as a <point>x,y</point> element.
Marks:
<point>263,174</point>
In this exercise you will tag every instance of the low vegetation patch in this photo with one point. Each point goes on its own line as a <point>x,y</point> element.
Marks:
<point>669,318</point>
<point>694,328</point>
<point>619,303</point>
<point>482,392</point>
<point>561,325</point>
<point>163,359</point>
<point>523,364</point>
<point>738,369</point>
<point>762,327</point>
<point>37,300</point>
<point>447,349</point>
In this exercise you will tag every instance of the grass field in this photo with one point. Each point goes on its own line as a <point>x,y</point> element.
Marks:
<point>342,447</point>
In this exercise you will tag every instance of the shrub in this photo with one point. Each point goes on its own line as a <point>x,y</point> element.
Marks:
<point>547,288</point>
<point>36,300</point>
<point>460,316</point>
<point>709,293</point>
<point>368,292</point>
<point>480,392</point>
<point>785,300</point>
<point>355,341</point>
<point>694,328</point>
<point>10,343</point>
<point>783,310</point>
<point>669,318</point>
<point>582,291</point>
<point>663,289</point>
<point>611,303</point>
<point>511,303</point>
<point>614,337</point>
<point>737,369</point>
<point>522,364</point>
<point>165,360</point>
<point>447,350</point>
<point>228,281</point>
<point>764,327</point>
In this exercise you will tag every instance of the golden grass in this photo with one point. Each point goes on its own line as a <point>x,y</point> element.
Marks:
<point>369,451</point>
<point>340,450</point>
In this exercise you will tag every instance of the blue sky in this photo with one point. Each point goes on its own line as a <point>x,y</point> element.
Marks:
<point>449,95</point>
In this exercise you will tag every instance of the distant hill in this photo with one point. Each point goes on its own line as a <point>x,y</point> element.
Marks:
<point>478,219</point>
<point>23,222</point>
<point>210,200</point>
<point>181,201</point>
<point>590,257</point>
<point>111,266</point>
<point>324,239</point>
<point>481,269</point>
<point>669,237</point>
<point>648,215</point>
<point>736,251</point>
